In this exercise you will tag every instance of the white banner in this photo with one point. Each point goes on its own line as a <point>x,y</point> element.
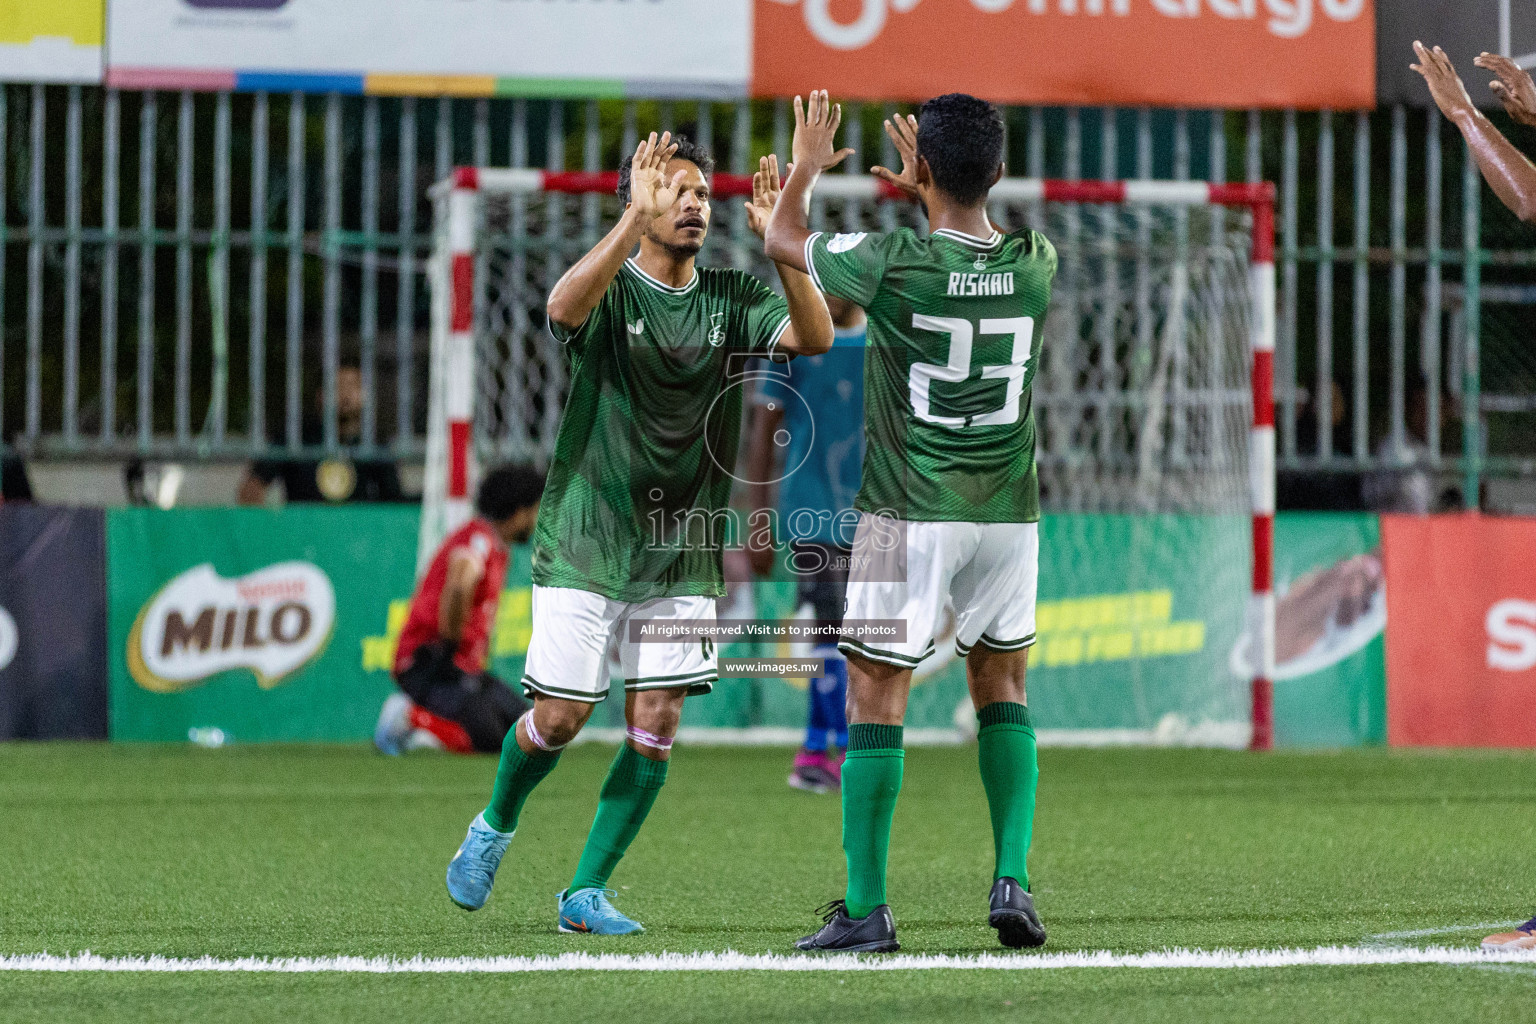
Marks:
<point>50,40</point>
<point>463,47</point>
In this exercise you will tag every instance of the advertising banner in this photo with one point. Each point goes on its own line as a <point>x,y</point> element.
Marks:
<point>1140,622</point>
<point>424,47</point>
<point>51,40</point>
<point>53,623</point>
<point>250,625</point>
<point>1192,53</point>
<point>1461,646</point>
<point>251,622</point>
<point>1330,616</point>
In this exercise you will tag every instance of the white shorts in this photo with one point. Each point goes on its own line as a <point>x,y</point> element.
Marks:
<point>574,632</point>
<point>989,571</point>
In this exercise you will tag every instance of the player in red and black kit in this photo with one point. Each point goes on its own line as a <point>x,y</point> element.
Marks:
<point>440,662</point>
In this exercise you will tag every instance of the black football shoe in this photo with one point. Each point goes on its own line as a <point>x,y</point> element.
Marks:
<point>843,934</point>
<point>1013,915</point>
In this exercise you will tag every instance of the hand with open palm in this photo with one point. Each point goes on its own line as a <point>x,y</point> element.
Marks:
<point>765,194</point>
<point>651,192</point>
<point>902,132</point>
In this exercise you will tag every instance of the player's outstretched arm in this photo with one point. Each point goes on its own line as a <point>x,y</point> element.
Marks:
<point>652,194</point>
<point>810,325</point>
<point>1507,171</point>
<point>816,126</point>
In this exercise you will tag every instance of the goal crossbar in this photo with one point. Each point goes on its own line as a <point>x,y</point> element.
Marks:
<point>865,186</point>
<point>453,343</point>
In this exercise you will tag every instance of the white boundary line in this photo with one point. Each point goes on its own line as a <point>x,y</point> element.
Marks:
<point>729,961</point>
<point>1419,933</point>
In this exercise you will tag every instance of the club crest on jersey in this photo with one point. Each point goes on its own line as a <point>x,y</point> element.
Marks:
<point>716,330</point>
<point>980,284</point>
<point>638,327</point>
<point>842,243</point>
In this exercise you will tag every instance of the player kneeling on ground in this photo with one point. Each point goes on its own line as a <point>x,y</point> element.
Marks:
<point>638,492</point>
<point>440,662</point>
<point>950,498</point>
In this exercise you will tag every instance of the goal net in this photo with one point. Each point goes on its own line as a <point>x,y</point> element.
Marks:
<point>1155,434</point>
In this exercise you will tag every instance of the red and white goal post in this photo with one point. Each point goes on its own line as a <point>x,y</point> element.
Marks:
<point>1142,286</point>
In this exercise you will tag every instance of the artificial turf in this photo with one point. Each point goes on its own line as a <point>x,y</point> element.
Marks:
<point>318,851</point>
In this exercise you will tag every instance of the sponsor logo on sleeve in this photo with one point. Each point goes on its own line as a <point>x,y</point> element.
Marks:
<point>842,243</point>
<point>272,622</point>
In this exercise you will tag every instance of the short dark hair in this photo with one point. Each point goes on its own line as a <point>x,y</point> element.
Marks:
<point>507,489</point>
<point>687,149</point>
<point>961,137</point>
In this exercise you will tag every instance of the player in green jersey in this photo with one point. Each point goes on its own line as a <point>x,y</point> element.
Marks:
<point>628,534</point>
<point>950,500</point>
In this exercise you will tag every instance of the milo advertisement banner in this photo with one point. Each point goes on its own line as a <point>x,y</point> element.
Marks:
<point>245,625</point>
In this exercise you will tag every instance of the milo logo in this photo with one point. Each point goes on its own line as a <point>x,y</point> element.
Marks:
<point>272,622</point>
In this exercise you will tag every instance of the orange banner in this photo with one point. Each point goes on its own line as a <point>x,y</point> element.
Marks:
<point>1461,631</point>
<point>1189,53</point>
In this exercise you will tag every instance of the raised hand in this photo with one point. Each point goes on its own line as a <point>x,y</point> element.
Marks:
<point>1445,86</point>
<point>765,194</point>
<point>903,132</point>
<point>816,126</point>
<point>651,192</point>
<point>1513,86</point>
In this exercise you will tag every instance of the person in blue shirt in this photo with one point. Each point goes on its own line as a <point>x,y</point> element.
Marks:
<point>807,439</point>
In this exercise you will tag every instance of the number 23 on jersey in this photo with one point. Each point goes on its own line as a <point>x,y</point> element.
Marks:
<point>957,369</point>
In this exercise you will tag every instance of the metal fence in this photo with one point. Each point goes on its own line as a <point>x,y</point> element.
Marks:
<point>185,275</point>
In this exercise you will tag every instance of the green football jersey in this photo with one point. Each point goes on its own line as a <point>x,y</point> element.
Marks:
<point>637,495</point>
<point>955,324</point>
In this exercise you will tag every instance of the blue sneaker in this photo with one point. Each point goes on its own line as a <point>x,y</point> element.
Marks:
<point>472,871</point>
<point>588,910</point>
<point>394,725</point>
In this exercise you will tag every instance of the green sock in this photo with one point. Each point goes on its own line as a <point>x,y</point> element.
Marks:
<point>516,777</point>
<point>1009,770</point>
<point>627,796</point>
<point>871,783</point>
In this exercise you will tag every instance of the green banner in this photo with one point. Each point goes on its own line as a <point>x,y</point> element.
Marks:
<point>1138,620</point>
<point>252,622</point>
<point>1330,620</point>
<point>282,626</point>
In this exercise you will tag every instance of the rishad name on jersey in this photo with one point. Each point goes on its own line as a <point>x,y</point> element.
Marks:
<point>980,284</point>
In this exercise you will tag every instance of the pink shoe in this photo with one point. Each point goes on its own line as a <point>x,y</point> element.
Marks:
<point>814,772</point>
